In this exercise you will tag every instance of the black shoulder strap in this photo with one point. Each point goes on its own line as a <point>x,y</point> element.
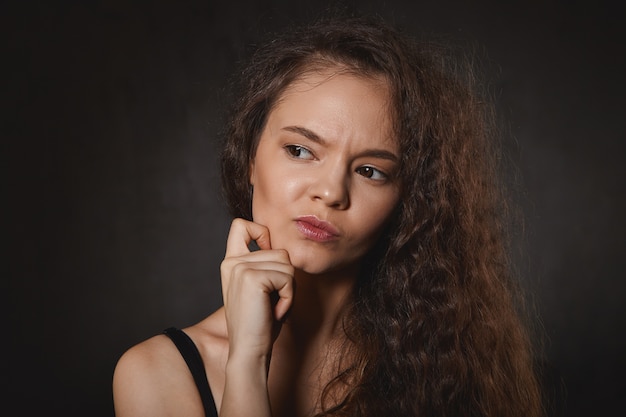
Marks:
<point>192,357</point>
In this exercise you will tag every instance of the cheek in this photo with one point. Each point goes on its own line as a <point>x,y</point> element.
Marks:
<point>377,212</point>
<point>274,191</point>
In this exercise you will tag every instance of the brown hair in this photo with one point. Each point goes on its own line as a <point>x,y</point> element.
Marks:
<point>434,322</point>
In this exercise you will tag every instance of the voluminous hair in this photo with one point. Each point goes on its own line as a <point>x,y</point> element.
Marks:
<point>434,328</point>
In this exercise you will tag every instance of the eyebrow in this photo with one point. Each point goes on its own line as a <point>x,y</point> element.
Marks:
<point>303,131</point>
<point>309,134</point>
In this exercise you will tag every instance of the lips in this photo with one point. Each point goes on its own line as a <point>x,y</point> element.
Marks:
<point>317,230</point>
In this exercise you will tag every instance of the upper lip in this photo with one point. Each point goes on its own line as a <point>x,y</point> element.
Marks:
<point>320,224</point>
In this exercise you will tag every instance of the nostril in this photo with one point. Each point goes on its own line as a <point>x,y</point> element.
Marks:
<point>332,188</point>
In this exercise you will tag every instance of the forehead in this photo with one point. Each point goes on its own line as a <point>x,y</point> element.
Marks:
<point>336,102</point>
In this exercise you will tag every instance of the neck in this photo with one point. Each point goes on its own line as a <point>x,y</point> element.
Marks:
<point>319,305</point>
<point>310,348</point>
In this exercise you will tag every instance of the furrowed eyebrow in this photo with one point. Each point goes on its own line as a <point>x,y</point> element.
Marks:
<point>380,154</point>
<point>309,134</point>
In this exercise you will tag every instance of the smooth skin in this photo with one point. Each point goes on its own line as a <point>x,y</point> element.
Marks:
<point>326,153</point>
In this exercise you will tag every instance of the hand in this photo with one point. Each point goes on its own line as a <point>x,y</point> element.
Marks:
<point>257,288</point>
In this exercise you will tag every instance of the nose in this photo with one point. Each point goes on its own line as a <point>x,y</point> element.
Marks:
<point>332,187</point>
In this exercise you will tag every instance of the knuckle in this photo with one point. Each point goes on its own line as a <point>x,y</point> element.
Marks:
<point>282,254</point>
<point>239,269</point>
<point>237,224</point>
<point>226,265</point>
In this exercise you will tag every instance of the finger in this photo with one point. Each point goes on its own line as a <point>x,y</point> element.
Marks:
<point>276,287</point>
<point>270,255</point>
<point>242,268</point>
<point>242,232</point>
<point>280,289</point>
<point>285,300</point>
<point>237,268</point>
<point>277,259</point>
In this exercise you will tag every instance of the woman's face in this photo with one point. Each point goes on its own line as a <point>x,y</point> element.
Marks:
<point>324,173</point>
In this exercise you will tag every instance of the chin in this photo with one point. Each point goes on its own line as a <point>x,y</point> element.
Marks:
<point>310,263</point>
<point>311,258</point>
<point>319,266</point>
<point>308,267</point>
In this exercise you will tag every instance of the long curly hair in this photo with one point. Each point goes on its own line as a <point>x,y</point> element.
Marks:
<point>435,326</point>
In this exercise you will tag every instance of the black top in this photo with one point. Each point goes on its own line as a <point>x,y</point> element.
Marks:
<point>192,357</point>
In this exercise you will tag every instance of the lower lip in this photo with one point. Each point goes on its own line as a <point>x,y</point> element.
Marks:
<point>315,233</point>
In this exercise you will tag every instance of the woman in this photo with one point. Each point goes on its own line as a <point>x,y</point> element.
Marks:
<point>360,166</point>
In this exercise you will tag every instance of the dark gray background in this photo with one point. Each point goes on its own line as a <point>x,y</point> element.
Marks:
<point>114,227</point>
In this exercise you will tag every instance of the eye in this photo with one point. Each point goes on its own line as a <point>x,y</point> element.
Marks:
<point>371,173</point>
<point>298,152</point>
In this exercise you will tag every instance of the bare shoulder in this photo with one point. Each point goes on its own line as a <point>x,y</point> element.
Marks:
<point>152,378</point>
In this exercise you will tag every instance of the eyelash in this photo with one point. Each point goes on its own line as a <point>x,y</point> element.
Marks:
<point>293,149</point>
<point>383,177</point>
<point>369,172</point>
